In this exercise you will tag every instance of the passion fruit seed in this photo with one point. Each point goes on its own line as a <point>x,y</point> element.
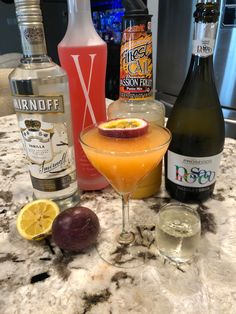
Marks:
<point>123,128</point>
<point>124,124</point>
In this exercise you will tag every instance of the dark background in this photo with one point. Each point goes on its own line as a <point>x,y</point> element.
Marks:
<point>55,20</point>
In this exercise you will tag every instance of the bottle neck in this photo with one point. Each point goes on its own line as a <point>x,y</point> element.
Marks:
<point>202,68</point>
<point>201,65</point>
<point>204,39</point>
<point>80,14</point>
<point>136,60</point>
<point>33,40</point>
<point>203,49</point>
<point>29,17</point>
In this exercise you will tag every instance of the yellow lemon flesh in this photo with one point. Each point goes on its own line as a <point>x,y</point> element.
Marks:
<point>34,221</point>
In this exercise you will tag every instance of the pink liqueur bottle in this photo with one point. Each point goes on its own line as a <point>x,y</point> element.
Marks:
<point>83,54</point>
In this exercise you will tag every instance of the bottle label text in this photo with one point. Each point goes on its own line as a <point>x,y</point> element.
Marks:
<point>204,39</point>
<point>193,172</point>
<point>136,63</point>
<point>47,149</point>
<point>38,104</point>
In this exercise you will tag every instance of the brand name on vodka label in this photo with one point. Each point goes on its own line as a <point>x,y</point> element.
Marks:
<point>47,168</point>
<point>41,104</point>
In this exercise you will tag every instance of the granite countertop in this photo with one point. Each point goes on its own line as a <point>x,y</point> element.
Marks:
<point>6,106</point>
<point>39,278</point>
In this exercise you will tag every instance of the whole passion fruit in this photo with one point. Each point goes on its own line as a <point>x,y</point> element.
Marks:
<point>75,229</point>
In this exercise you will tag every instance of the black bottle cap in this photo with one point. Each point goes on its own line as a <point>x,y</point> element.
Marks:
<point>134,7</point>
<point>207,11</point>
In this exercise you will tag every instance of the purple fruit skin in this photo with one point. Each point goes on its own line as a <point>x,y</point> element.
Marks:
<point>75,229</point>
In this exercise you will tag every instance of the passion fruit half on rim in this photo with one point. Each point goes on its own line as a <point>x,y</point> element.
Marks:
<point>123,128</point>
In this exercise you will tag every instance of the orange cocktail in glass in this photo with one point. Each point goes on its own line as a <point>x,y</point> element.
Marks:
<point>124,162</point>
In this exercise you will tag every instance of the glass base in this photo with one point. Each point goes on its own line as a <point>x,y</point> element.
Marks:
<point>121,255</point>
<point>175,259</point>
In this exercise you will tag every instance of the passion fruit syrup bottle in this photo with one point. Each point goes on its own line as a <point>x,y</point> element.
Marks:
<point>196,121</point>
<point>136,90</point>
<point>83,54</point>
<point>41,101</point>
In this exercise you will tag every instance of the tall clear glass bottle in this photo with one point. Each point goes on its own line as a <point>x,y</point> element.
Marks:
<point>196,121</point>
<point>41,102</point>
<point>83,54</point>
<point>136,90</point>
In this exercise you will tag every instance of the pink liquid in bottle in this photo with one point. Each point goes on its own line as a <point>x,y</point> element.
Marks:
<point>83,54</point>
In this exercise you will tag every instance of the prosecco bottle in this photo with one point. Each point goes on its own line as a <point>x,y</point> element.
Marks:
<point>196,121</point>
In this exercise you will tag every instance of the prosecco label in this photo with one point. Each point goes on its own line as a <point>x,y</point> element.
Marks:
<point>136,62</point>
<point>204,38</point>
<point>194,172</point>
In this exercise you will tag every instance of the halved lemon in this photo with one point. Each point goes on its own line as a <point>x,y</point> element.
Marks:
<point>34,221</point>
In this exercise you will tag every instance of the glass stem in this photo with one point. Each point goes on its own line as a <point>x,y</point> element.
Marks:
<point>126,236</point>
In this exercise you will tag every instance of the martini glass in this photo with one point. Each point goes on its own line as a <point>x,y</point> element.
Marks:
<point>124,162</point>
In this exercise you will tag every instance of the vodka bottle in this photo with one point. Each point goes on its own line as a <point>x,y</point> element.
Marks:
<point>136,90</point>
<point>83,54</point>
<point>41,102</point>
<point>196,121</point>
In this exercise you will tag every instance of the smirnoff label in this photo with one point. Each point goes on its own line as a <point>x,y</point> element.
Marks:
<point>39,104</point>
<point>194,172</point>
<point>46,144</point>
<point>136,62</point>
<point>204,38</point>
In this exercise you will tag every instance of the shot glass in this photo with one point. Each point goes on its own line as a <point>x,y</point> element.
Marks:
<point>178,232</point>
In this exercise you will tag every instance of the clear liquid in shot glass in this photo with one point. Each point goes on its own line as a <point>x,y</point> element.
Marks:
<point>178,232</point>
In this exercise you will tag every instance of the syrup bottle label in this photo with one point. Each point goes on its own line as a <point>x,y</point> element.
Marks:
<point>136,63</point>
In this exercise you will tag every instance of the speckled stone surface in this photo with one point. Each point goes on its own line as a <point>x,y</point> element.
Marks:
<point>83,283</point>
